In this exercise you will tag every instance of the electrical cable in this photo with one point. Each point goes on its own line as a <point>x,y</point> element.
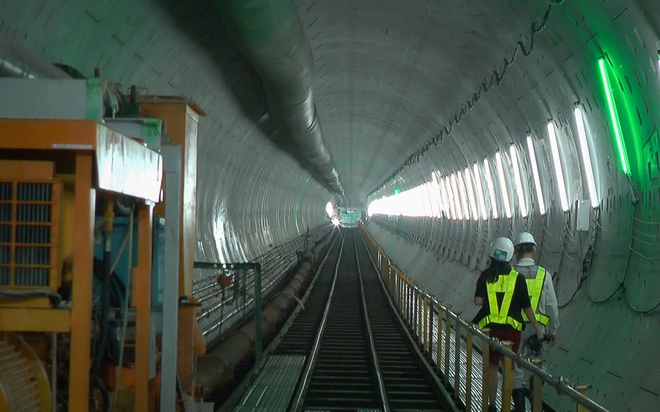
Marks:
<point>647,243</point>
<point>643,256</point>
<point>487,83</point>
<point>621,286</point>
<point>192,377</point>
<point>129,286</point>
<point>104,320</point>
<point>55,299</point>
<point>618,288</point>
<point>647,222</point>
<point>641,312</point>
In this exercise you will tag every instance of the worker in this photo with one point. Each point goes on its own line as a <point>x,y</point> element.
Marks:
<point>544,304</point>
<point>502,294</point>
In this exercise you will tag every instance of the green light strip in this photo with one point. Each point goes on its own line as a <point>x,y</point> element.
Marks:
<point>614,117</point>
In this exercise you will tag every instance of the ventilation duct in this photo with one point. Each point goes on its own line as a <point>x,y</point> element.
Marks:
<point>271,35</point>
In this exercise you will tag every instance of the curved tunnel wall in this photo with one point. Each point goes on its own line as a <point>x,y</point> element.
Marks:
<point>608,316</point>
<point>251,196</point>
<point>389,76</point>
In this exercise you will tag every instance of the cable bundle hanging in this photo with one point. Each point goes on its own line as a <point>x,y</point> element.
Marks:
<point>495,78</point>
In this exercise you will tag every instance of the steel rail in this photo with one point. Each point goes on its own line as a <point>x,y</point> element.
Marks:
<point>311,360</point>
<point>372,345</point>
<point>236,396</point>
<point>429,371</point>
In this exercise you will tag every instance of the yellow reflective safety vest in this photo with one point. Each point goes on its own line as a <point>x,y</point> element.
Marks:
<point>505,284</point>
<point>535,288</point>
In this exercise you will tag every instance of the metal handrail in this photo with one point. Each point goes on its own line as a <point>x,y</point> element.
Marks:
<point>412,295</point>
<point>372,345</point>
<point>559,383</point>
<point>249,379</point>
<point>311,360</point>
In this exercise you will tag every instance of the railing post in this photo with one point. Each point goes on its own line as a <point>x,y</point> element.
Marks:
<point>411,307</point>
<point>447,345</point>
<point>404,298</point>
<point>468,372</point>
<point>402,304</point>
<point>257,314</point>
<point>426,324</point>
<point>485,348</point>
<point>507,386</point>
<point>420,334</point>
<point>457,356</point>
<point>537,398</point>
<point>430,320</point>
<point>583,388</point>
<point>439,349</point>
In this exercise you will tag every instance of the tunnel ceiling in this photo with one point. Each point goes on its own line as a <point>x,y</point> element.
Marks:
<point>390,76</point>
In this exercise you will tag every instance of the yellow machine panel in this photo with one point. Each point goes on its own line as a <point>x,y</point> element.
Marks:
<point>29,228</point>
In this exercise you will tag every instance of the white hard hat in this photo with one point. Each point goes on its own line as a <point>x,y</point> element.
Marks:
<point>501,249</point>
<point>524,238</point>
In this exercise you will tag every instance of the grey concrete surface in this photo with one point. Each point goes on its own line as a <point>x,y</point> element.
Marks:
<point>390,75</point>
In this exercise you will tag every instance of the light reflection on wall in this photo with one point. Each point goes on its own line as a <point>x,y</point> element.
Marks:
<point>467,193</point>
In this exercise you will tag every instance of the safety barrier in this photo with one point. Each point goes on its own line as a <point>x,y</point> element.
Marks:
<point>431,323</point>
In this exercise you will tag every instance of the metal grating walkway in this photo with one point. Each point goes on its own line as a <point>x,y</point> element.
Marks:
<point>274,386</point>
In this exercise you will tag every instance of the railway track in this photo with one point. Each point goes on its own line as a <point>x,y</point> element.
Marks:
<point>360,356</point>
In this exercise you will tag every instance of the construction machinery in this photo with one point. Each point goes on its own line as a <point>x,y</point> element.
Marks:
<point>96,247</point>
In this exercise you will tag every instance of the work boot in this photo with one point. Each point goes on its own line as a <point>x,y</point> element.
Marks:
<point>518,396</point>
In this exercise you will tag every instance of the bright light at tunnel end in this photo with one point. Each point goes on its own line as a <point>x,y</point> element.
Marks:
<point>330,209</point>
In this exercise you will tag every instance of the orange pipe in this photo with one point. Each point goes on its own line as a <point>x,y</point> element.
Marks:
<point>217,368</point>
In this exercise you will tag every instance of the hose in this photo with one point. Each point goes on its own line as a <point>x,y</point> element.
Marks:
<point>55,299</point>
<point>127,291</point>
<point>105,307</point>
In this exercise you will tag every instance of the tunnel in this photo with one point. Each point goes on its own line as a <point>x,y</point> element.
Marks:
<point>441,124</point>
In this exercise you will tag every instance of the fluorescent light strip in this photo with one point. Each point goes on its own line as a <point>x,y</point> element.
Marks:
<point>436,200</point>
<point>438,194</point>
<point>558,169</point>
<point>427,194</point>
<point>449,197</point>
<point>432,205</point>
<point>446,198</point>
<point>504,189</point>
<point>491,188</point>
<point>441,196</point>
<point>433,198</point>
<point>586,158</point>
<point>623,156</point>
<point>463,194</point>
<point>516,175</point>
<point>457,204</point>
<point>480,192</point>
<point>535,172</point>
<point>470,190</point>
